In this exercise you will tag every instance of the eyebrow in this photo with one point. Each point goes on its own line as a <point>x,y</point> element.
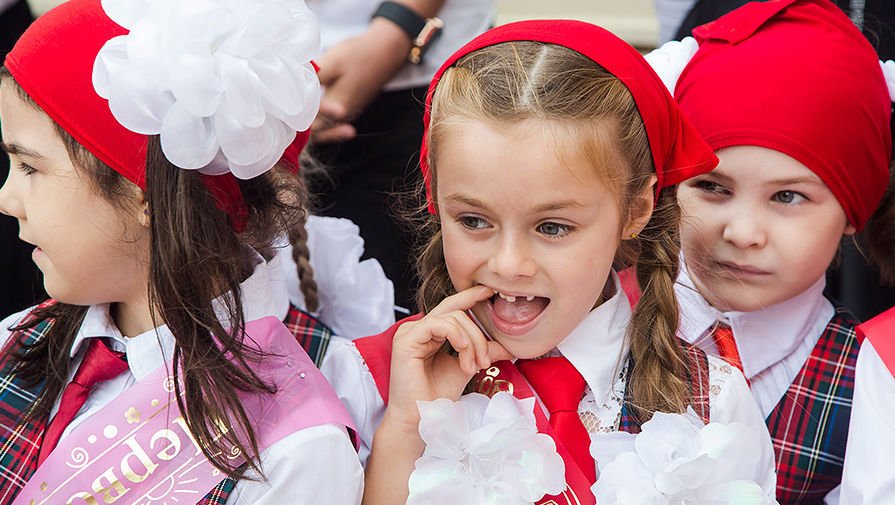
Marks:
<point>549,206</point>
<point>794,180</point>
<point>18,150</point>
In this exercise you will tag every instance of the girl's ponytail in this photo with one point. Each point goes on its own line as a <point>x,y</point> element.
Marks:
<point>656,380</point>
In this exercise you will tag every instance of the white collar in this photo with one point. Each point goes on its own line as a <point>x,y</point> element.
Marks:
<point>151,349</point>
<point>763,337</point>
<point>597,345</point>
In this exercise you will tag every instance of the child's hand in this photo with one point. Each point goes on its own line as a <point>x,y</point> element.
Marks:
<point>420,371</point>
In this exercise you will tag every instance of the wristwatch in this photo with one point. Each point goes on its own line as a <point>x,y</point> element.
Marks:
<point>423,32</point>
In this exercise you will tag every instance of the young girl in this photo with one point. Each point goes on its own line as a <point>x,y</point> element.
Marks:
<point>157,371</point>
<point>790,96</point>
<point>871,435</point>
<point>548,145</point>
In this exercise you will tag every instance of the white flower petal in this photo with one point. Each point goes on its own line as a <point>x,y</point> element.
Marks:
<point>108,61</point>
<point>136,103</point>
<point>188,141</point>
<point>666,437</point>
<point>124,12</point>
<point>195,85</point>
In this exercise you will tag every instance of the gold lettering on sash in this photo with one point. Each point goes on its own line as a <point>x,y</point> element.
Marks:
<point>142,458</point>
<point>83,495</point>
<point>172,449</point>
<point>180,421</point>
<point>114,484</point>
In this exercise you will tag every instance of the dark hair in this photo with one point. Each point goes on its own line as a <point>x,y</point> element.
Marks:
<point>880,232</point>
<point>511,82</point>
<point>195,256</point>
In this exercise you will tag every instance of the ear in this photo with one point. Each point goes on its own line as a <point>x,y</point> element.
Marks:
<point>641,210</point>
<point>144,216</point>
<point>849,229</point>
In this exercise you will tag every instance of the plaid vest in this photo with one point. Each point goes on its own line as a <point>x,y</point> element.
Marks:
<point>697,378</point>
<point>810,424</point>
<point>20,441</point>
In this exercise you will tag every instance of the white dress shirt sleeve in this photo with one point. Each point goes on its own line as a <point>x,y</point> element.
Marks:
<point>731,401</point>
<point>349,376</point>
<point>867,477</point>
<point>313,465</point>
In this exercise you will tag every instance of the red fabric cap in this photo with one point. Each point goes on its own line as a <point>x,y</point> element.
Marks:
<point>677,149</point>
<point>798,77</point>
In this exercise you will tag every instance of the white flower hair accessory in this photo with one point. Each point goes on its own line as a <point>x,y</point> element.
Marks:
<point>484,451</point>
<point>225,83</point>
<point>676,459</point>
<point>888,68</point>
<point>669,60</point>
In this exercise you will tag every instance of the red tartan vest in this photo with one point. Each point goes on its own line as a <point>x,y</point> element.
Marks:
<point>376,351</point>
<point>809,425</point>
<point>20,440</point>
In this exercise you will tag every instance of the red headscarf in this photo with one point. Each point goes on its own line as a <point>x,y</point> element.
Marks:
<point>53,63</point>
<point>798,77</point>
<point>678,151</point>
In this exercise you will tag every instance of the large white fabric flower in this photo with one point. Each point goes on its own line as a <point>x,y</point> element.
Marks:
<point>484,451</point>
<point>356,298</point>
<point>669,60</point>
<point>888,68</point>
<point>225,83</point>
<point>678,460</point>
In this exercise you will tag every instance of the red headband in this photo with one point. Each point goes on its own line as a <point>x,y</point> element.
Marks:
<point>53,62</point>
<point>678,151</point>
<point>798,77</point>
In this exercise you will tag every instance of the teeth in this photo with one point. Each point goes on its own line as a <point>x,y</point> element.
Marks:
<point>508,298</point>
<point>529,298</point>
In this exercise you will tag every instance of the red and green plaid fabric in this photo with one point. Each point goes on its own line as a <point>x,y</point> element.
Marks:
<point>313,335</point>
<point>697,378</point>
<point>19,441</point>
<point>810,424</point>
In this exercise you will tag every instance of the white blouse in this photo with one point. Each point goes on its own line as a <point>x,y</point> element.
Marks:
<point>313,465</point>
<point>867,479</point>
<point>598,349</point>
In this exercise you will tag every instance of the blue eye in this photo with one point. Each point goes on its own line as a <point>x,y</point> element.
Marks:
<point>788,197</point>
<point>472,222</point>
<point>553,229</point>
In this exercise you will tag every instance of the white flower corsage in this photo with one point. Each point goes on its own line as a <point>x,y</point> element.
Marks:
<point>888,68</point>
<point>356,298</point>
<point>669,60</point>
<point>677,459</point>
<point>484,451</point>
<point>225,83</point>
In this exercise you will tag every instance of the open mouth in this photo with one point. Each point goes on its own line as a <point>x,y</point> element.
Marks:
<point>516,314</point>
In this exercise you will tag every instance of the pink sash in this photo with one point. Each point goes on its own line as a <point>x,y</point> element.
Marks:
<point>138,449</point>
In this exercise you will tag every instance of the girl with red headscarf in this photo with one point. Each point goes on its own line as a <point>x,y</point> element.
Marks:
<point>142,135</point>
<point>550,155</point>
<point>791,97</point>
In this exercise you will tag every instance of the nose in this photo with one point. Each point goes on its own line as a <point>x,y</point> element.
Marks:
<point>745,228</point>
<point>512,257</point>
<point>10,204</point>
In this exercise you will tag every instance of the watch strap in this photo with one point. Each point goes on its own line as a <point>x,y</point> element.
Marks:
<point>403,16</point>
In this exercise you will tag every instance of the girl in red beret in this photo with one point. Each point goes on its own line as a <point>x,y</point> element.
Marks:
<point>551,153</point>
<point>141,136</point>
<point>791,97</point>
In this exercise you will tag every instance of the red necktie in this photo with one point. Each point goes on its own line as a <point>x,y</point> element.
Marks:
<point>99,364</point>
<point>727,347</point>
<point>560,386</point>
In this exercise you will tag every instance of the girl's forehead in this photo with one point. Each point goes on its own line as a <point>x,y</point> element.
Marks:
<point>749,163</point>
